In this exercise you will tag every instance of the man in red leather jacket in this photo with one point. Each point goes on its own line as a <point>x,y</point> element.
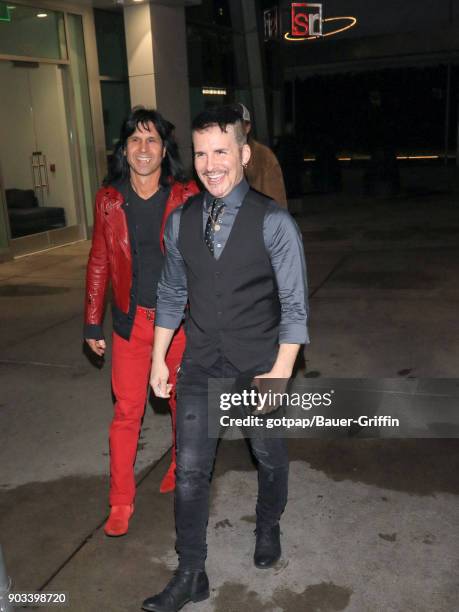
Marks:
<point>145,183</point>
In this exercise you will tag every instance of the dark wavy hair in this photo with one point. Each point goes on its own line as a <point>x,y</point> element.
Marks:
<point>171,165</point>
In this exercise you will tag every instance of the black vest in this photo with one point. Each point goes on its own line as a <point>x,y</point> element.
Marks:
<point>234,305</point>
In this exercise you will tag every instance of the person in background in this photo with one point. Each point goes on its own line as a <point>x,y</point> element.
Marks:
<point>263,172</point>
<point>145,183</point>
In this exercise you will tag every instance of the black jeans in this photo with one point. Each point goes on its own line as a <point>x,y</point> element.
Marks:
<point>195,461</point>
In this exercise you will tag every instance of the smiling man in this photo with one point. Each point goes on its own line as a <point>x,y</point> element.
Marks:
<point>238,259</point>
<point>146,182</point>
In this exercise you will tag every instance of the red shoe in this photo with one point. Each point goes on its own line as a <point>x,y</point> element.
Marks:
<point>168,482</point>
<point>118,521</point>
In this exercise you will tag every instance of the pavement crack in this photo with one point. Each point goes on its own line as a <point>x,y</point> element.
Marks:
<point>19,362</point>
<point>42,331</point>
<point>330,274</point>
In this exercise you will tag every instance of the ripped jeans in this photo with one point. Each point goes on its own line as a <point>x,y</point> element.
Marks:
<point>195,460</point>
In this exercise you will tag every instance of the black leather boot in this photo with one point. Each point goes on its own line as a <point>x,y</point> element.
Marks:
<point>185,586</point>
<point>267,547</point>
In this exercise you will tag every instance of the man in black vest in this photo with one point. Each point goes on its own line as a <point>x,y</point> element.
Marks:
<point>238,259</point>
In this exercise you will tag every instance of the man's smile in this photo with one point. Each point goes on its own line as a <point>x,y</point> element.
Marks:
<point>215,179</point>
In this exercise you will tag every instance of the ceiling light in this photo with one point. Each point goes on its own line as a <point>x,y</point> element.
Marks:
<point>212,91</point>
<point>42,15</point>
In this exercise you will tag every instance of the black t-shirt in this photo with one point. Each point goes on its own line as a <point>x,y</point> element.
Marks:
<point>148,215</point>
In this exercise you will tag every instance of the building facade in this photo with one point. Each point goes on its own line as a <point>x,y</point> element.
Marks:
<point>70,71</point>
<point>377,70</point>
<point>51,150</point>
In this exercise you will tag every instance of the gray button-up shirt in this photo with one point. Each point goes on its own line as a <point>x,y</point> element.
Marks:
<point>283,243</point>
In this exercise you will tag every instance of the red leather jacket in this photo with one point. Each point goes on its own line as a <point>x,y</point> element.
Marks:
<point>111,258</point>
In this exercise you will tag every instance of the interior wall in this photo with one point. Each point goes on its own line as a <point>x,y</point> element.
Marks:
<point>17,138</point>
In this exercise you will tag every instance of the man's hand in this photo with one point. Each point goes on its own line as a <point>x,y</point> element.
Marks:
<point>281,373</point>
<point>270,385</point>
<point>159,370</point>
<point>158,379</point>
<point>97,346</point>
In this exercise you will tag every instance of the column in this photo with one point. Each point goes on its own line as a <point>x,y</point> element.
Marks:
<point>158,67</point>
<point>255,69</point>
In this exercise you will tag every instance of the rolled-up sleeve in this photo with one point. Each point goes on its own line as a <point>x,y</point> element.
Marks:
<point>172,287</point>
<point>284,244</point>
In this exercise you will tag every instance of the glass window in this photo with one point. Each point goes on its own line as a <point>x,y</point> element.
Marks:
<point>38,177</point>
<point>210,56</point>
<point>111,43</point>
<point>114,84</point>
<point>116,104</point>
<point>31,32</point>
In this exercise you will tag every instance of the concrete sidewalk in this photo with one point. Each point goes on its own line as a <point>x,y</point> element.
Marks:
<point>371,525</point>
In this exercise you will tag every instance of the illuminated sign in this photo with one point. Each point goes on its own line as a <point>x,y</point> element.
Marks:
<point>5,14</point>
<point>308,23</point>
<point>271,24</point>
<point>306,19</point>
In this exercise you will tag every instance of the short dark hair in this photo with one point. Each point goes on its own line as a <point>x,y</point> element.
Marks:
<point>221,116</point>
<point>171,165</point>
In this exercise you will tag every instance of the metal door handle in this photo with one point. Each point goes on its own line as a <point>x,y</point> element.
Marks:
<point>39,170</point>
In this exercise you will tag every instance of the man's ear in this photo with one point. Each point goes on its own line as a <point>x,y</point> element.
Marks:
<point>164,152</point>
<point>245,154</point>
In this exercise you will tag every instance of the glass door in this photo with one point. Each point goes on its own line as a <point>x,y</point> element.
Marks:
<point>35,150</point>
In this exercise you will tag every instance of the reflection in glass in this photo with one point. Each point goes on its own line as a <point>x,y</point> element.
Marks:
<point>24,33</point>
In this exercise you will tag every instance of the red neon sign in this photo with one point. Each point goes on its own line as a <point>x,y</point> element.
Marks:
<point>306,19</point>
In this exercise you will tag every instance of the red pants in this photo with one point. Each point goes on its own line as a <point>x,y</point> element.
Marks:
<point>131,364</point>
